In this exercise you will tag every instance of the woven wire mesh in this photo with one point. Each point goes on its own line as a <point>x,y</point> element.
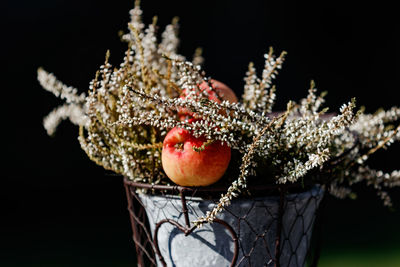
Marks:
<point>260,231</point>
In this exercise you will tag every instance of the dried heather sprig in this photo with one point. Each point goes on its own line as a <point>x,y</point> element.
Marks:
<point>128,110</point>
<point>378,179</point>
<point>239,184</point>
<point>73,112</point>
<point>49,82</point>
<point>256,96</point>
<point>73,109</point>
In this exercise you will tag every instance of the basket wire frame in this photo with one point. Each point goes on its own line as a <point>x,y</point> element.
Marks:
<point>147,245</point>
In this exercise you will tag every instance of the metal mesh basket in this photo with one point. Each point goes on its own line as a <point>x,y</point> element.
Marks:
<point>272,228</point>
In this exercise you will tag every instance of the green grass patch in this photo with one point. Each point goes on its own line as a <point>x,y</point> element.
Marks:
<point>370,257</point>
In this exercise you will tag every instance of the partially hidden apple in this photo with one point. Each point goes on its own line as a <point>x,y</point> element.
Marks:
<point>221,89</point>
<point>187,167</point>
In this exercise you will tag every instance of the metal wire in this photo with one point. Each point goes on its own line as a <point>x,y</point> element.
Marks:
<point>280,236</point>
<point>274,231</point>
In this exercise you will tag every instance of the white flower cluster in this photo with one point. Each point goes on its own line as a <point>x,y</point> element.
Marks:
<point>128,110</point>
<point>259,94</point>
<point>73,109</point>
<point>378,179</point>
<point>133,149</point>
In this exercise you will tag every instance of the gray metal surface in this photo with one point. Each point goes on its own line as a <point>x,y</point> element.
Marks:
<point>254,221</point>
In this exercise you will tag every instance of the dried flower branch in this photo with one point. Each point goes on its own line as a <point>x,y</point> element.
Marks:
<point>240,183</point>
<point>128,110</point>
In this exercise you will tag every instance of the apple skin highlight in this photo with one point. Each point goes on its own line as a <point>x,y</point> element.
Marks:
<point>186,167</point>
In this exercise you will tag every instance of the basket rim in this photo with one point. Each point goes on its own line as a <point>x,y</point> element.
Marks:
<point>315,190</point>
<point>210,188</point>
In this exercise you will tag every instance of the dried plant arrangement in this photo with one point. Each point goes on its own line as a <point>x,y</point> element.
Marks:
<point>130,111</point>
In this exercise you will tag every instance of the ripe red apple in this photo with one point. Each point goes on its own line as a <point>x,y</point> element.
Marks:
<point>223,91</point>
<point>186,167</point>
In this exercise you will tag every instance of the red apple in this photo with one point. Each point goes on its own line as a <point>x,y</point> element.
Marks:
<point>222,89</point>
<point>186,167</point>
<point>224,92</point>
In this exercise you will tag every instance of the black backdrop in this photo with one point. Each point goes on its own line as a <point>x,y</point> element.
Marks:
<point>58,208</point>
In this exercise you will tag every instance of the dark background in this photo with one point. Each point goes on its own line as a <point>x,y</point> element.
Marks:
<point>60,209</point>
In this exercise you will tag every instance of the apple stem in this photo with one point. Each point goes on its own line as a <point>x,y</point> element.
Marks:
<point>179,146</point>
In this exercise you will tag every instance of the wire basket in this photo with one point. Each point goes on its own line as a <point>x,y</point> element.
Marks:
<point>271,228</point>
